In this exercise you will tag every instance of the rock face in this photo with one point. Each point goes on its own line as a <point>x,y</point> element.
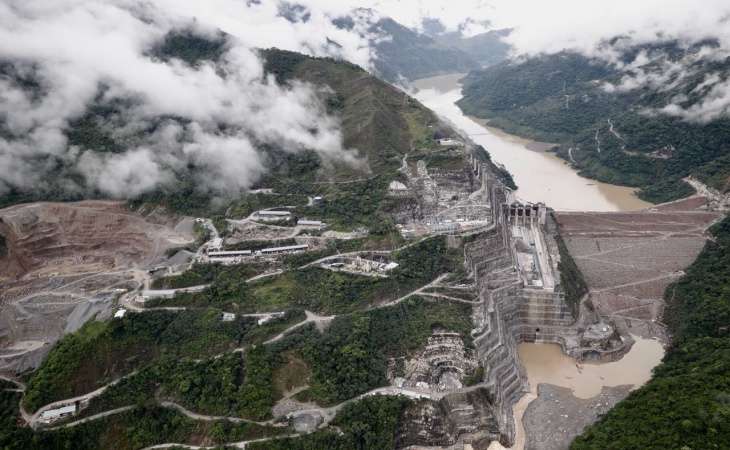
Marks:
<point>47,238</point>
<point>466,416</point>
<point>441,366</point>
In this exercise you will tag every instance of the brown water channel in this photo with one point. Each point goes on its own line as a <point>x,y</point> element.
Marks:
<point>540,175</point>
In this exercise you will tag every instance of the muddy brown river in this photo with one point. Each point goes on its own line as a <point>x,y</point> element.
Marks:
<point>543,177</point>
<point>540,176</point>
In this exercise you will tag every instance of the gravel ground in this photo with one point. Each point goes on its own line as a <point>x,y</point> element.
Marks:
<point>555,417</point>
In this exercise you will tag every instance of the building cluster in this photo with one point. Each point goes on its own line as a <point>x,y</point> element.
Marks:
<point>239,256</point>
<point>272,215</point>
<point>360,265</point>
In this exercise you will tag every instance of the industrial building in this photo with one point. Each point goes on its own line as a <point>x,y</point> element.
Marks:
<point>53,415</point>
<point>319,225</point>
<point>229,253</point>
<point>272,216</point>
<point>149,294</point>
<point>282,250</point>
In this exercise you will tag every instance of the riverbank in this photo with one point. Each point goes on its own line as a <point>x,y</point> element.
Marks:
<point>541,176</point>
<point>528,143</point>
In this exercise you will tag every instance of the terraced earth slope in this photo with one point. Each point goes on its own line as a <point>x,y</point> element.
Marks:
<point>629,258</point>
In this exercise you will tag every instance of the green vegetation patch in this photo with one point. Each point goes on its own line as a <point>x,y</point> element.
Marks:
<point>716,174</point>
<point>200,274</point>
<point>351,357</point>
<point>103,351</point>
<point>141,427</point>
<point>368,424</point>
<point>325,291</point>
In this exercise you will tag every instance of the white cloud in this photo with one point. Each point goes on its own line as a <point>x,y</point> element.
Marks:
<point>74,46</point>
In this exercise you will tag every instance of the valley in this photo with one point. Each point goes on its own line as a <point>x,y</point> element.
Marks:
<point>303,226</point>
<point>540,176</point>
<point>494,283</point>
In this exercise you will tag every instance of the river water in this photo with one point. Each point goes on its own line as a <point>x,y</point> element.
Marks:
<point>543,177</point>
<point>540,176</point>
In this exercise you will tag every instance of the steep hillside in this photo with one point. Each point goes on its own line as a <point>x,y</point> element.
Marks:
<point>687,402</point>
<point>486,49</point>
<point>378,121</point>
<point>405,53</point>
<point>618,126</point>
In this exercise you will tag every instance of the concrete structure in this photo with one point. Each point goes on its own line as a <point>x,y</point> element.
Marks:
<point>450,142</point>
<point>283,250</point>
<point>229,253</point>
<point>372,265</point>
<point>311,224</point>
<point>272,216</point>
<point>398,189</point>
<point>215,244</point>
<point>53,415</point>
<point>149,294</point>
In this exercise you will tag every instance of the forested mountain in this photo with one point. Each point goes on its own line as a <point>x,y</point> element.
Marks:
<point>686,405</point>
<point>411,55</point>
<point>638,121</point>
<point>404,54</point>
<point>485,48</point>
<point>376,120</point>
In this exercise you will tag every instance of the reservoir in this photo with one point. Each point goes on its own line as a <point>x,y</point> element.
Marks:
<point>540,176</point>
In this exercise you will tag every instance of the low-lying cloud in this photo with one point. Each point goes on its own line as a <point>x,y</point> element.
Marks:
<point>79,52</point>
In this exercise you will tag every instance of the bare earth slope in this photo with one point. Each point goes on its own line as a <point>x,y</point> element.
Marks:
<point>629,258</point>
<point>62,265</point>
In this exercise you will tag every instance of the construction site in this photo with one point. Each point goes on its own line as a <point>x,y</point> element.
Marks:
<point>67,263</point>
<point>451,196</point>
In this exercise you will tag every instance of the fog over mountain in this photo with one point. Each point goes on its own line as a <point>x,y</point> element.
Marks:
<point>58,58</point>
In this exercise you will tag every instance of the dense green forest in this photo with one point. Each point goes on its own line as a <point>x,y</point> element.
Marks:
<point>351,357</point>
<point>200,274</point>
<point>686,405</point>
<point>103,351</point>
<point>324,291</point>
<point>609,134</point>
<point>141,427</point>
<point>368,424</point>
<point>348,359</point>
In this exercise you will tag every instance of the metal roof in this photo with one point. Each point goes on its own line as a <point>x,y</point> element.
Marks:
<point>283,249</point>
<point>229,253</point>
<point>273,213</point>
<point>58,412</point>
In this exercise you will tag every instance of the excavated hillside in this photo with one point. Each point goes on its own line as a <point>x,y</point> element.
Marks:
<point>65,263</point>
